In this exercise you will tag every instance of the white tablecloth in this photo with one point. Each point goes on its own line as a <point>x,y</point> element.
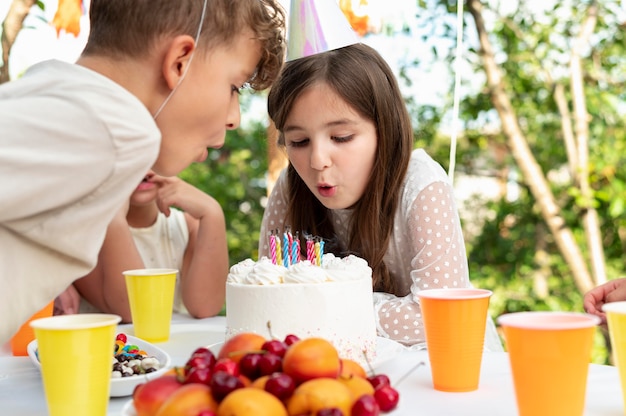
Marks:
<point>21,391</point>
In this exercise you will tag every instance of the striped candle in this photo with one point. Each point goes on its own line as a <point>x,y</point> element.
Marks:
<point>272,248</point>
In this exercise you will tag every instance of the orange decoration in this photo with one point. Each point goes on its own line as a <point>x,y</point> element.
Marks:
<point>67,17</point>
<point>360,23</point>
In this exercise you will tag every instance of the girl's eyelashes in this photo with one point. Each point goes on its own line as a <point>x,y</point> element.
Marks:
<point>342,139</point>
<point>299,143</point>
<point>304,142</point>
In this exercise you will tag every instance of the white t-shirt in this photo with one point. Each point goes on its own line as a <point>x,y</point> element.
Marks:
<point>426,249</point>
<point>74,144</point>
<point>163,245</point>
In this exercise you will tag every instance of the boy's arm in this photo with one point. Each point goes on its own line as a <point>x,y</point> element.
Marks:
<point>104,287</point>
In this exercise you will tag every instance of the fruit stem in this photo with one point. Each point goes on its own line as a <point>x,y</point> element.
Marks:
<point>415,367</point>
<point>269,329</point>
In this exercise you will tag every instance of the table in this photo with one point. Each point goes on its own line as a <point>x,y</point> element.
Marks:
<point>21,390</point>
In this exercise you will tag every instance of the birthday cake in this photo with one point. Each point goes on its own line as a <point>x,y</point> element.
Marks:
<point>331,301</point>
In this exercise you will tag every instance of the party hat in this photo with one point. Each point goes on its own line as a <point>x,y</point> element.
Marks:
<point>317,26</point>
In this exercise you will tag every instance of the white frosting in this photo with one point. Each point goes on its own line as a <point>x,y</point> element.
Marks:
<point>240,271</point>
<point>340,310</point>
<point>305,272</point>
<point>265,273</point>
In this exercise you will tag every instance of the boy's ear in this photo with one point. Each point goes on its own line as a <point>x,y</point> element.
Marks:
<point>177,58</point>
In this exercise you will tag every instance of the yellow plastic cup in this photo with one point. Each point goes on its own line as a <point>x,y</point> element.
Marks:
<point>151,297</point>
<point>75,352</point>
<point>616,319</point>
<point>549,353</point>
<point>454,325</point>
<point>23,337</point>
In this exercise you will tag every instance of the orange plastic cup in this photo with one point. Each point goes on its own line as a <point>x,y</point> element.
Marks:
<point>549,354</point>
<point>25,334</point>
<point>616,319</point>
<point>454,325</point>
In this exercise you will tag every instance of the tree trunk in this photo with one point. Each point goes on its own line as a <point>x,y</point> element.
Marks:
<point>10,28</point>
<point>524,158</point>
<point>581,117</point>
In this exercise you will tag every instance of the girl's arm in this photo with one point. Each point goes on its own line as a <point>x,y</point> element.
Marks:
<point>438,260</point>
<point>104,287</point>
<point>205,263</point>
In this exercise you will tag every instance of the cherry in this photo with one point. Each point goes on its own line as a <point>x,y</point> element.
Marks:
<point>366,405</point>
<point>201,375</point>
<point>196,362</point>
<point>387,397</point>
<point>280,385</point>
<point>205,353</point>
<point>270,363</point>
<point>275,346</point>
<point>249,365</point>
<point>227,365</point>
<point>379,380</point>
<point>330,411</point>
<point>223,383</point>
<point>291,339</point>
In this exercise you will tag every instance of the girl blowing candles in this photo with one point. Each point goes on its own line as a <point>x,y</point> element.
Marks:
<point>354,180</point>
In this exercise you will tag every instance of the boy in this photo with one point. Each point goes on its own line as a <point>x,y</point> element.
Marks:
<point>156,84</point>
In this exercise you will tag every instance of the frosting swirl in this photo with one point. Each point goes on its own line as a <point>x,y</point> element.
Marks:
<point>265,273</point>
<point>305,272</point>
<point>238,272</point>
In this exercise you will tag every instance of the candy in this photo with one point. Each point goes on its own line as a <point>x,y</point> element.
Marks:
<point>130,360</point>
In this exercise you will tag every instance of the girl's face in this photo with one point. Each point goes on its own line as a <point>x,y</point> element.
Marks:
<point>331,146</point>
<point>146,192</point>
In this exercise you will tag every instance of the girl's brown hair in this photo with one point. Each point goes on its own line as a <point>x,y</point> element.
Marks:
<point>362,78</point>
<point>122,28</point>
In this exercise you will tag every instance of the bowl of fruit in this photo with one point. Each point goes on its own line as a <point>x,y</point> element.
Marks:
<point>266,377</point>
<point>134,361</point>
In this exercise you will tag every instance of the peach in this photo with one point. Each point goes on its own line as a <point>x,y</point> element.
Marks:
<point>259,383</point>
<point>350,367</point>
<point>148,397</point>
<point>238,345</point>
<point>311,358</point>
<point>358,386</point>
<point>250,401</point>
<point>189,400</point>
<point>320,393</point>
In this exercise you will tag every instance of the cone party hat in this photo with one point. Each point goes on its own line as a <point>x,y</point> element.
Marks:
<point>317,26</point>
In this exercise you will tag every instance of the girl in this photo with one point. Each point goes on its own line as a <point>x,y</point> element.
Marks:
<point>354,180</point>
<point>151,233</point>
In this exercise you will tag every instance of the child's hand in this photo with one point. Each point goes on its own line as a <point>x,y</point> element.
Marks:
<point>174,191</point>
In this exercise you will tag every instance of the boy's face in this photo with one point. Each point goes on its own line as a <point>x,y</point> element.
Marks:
<point>206,104</point>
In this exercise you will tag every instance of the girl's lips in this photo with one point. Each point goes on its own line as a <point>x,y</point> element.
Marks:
<point>145,185</point>
<point>326,190</point>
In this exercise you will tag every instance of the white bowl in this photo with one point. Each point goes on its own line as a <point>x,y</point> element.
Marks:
<point>124,386</point>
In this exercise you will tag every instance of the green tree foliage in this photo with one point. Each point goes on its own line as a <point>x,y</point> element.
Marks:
<point>514,253</point>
